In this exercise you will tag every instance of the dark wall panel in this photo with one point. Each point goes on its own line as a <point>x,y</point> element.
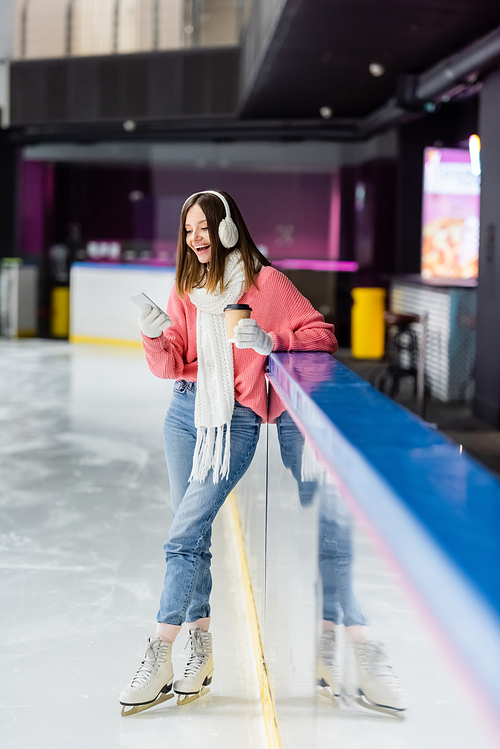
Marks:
<point>8,189</point>
<point>165,85</point>
<point>224,88</point>
<point>28,98</point>
<point>57,88</point>
<point>110,88</point>
<point>487,375</point>
<point>194,83</point>
<point>156,85</point>
<point>83,104</point>
<point>136,93</point>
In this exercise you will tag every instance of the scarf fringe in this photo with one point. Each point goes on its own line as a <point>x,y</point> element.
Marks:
<point>212,451</point>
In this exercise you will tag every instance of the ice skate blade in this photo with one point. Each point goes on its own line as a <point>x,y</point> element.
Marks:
<point>386,710</point>
<point>185,699</point>
<point>327,691</point>
<point>135,709</point>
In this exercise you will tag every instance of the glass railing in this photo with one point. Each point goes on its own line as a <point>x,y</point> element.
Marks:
<point>373,554</point>
<point>58,28</point>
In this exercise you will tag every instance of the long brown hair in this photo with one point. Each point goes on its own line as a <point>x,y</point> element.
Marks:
<point>190,272</point>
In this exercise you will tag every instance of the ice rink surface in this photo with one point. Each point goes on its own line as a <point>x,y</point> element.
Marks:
<point>84,512</point>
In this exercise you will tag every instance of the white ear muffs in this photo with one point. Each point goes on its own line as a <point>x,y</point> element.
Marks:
<point>228,231</point>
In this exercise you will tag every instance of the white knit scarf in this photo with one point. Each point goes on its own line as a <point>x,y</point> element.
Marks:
<point>215,382</point>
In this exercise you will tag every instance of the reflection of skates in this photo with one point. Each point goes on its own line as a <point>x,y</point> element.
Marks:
<point>377,682</point>
<point>328,665</point>
<point>198,671</point>
<point>153,681</point>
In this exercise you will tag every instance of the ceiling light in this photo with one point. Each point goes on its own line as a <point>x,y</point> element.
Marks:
<point>376,69</point>
<point>326,112</point>
<point>136,195</point>
<point>129,126</point>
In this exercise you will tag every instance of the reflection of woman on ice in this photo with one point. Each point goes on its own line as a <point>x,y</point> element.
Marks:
<point>213,423</point>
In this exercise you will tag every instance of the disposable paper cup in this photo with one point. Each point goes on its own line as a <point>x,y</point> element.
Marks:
<point>234,313</point>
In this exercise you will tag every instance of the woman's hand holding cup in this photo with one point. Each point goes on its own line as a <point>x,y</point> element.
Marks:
<point>247,334</point>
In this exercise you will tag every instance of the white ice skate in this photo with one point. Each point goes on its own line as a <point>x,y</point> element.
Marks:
<point>377,682</point>
<point>328,664</point>
<point>152,684</point>
<point>198,671</point>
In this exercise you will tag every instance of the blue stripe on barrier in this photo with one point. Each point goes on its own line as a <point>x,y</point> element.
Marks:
<point>436,509</point>
<point>120,266</point>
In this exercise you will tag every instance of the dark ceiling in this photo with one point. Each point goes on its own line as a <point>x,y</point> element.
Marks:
<point>321,51</point>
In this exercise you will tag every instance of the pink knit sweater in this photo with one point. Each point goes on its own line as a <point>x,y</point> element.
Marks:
<point>278,307</point>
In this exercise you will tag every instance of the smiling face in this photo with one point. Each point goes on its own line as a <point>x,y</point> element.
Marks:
<point>197,236</point>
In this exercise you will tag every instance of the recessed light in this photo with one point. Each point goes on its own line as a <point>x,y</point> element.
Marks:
<point>129,126</point>
<point>136,195</point>
<point>326,112</point>
<point>376,69</point>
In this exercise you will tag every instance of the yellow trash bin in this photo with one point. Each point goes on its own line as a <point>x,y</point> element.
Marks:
<point>59,322</point>
<point>367,323</point>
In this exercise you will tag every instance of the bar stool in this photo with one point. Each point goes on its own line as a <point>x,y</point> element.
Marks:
<point>406,357</point>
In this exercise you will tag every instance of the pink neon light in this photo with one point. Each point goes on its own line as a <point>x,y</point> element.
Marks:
<point>334,228</point>
<point>339,265</point>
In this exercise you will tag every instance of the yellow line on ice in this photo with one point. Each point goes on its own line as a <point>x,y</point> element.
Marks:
<point>104,341</point>
<point>266,693</point>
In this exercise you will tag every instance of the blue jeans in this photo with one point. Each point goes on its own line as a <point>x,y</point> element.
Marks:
<point>188,581</point>
<point>335,525</point>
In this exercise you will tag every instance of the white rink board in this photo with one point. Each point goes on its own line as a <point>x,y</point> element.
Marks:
<point>100,304</point>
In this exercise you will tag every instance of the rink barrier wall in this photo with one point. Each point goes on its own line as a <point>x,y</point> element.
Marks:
<point>432,511</point>
<point>100,308</point>
<point>266,692</point>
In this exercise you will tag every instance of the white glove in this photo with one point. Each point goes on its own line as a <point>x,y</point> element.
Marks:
<point>247,334</point>
<point>153,321</point>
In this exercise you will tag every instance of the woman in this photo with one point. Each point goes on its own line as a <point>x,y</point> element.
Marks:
<point>212,425</point>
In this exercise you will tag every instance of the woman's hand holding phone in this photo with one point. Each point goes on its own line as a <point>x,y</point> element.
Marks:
<point>153,321</point>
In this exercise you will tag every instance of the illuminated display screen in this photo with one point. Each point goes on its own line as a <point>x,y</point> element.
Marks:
<point>450,215</point>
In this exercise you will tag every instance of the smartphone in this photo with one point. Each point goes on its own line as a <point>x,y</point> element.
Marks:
<point>141,299</point>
